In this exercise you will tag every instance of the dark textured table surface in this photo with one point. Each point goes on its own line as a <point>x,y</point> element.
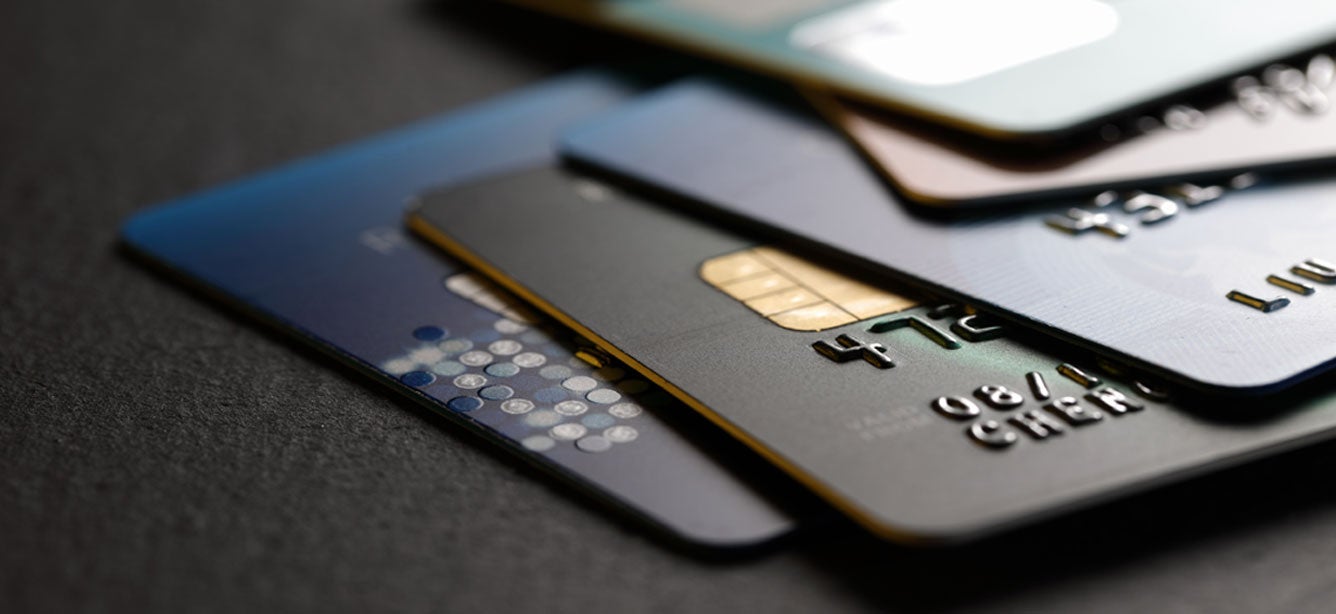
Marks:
<point>161,455</point>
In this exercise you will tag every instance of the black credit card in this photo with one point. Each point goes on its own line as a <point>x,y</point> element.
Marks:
<point>924,421</point>
<point>1216,287</point>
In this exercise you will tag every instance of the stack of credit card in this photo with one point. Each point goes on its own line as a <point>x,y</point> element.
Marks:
<point>947,266</point>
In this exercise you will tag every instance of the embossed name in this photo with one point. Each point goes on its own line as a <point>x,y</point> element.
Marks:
<point>1054,416</point>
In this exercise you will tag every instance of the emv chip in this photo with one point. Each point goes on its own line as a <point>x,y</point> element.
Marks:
<point>795,293</point>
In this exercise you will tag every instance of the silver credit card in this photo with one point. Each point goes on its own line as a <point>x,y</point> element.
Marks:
<point>1015,69</point>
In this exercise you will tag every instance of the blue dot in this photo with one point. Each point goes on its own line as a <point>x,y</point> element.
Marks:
<point>497,393</point>
<point>417,379</point>
<point>598,421</point>
<point>463,405</point>
<point>550,395</point>
<point>502,369</point>
<point>429,333</point>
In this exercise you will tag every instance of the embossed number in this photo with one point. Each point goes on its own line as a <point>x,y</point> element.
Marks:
<point>958,408</point>
<point>999,397</point>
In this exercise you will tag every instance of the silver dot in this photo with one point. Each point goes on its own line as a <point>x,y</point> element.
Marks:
<point>610,374</point>
<point>426,355</point>
<point>476,358</point>
<point>469,381</point>
<point>455,346</point>
<point>555,372</point>
<point>571,408</point>
<point>509,327</point>
<point>621,433</point>
<point>625,410</point>
<point>633,386</point>
<point>568,431</point>
<point>580,383</point>
<point>538,443</point>
<point>593,444</point>
<point>529,360</point>
<point>398,366</point>
<point>448,368</point>
<point>505,347</point>
<point>604,396</point>
<point>542,418</point>
<point>517,406</point>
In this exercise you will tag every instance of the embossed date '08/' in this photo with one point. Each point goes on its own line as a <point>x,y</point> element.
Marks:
<point>1054,416</point>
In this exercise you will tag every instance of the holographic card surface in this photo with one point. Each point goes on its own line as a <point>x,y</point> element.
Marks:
<point>317,249</point>
<point>931,423</point>
<point>1228,289</point>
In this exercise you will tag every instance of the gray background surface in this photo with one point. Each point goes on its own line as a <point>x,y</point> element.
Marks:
<point>159,454</point>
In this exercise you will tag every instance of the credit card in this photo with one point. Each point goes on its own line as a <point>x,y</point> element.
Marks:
<point>316,249</point>
<point>925,422</point>
<point>1018,69</point>
<point>1280,119</point>
<point>1224,289</point>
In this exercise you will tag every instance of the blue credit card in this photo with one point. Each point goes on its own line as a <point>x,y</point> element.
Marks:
<point>316,248</point>
<point>1225,288</point>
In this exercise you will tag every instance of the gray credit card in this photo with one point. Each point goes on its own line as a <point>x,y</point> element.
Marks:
<point>925,422</point>
<point>1224,289</point>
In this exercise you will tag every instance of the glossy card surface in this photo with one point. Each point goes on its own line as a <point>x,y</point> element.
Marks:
<point>1226,291</point>
<point>1280,119</point>
<point>1006,68</point>
<point>926,424</point>
<point>317,249</point>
